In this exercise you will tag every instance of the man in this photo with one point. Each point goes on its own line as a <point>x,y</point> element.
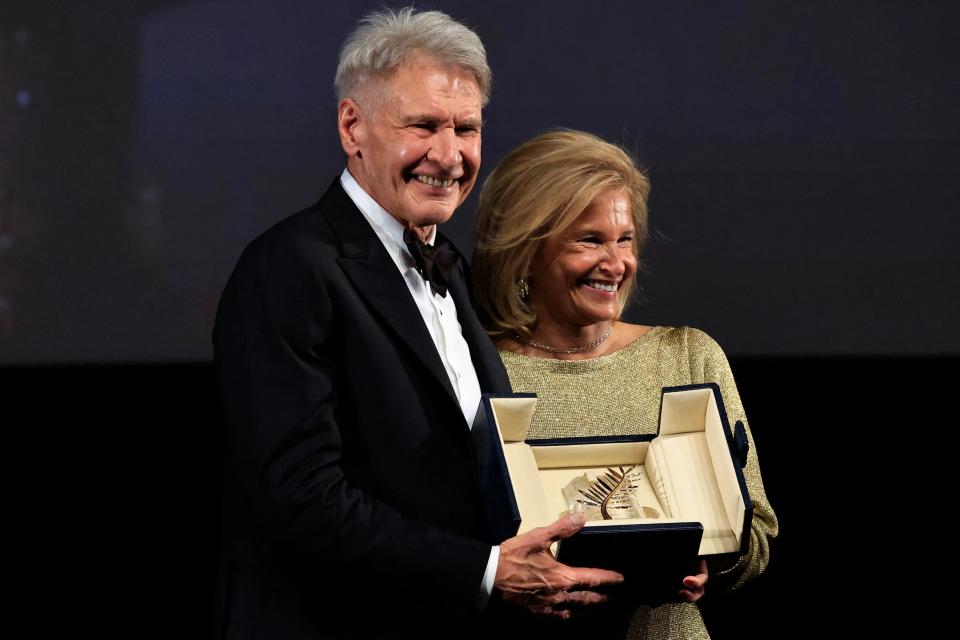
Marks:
<point>351,367</point>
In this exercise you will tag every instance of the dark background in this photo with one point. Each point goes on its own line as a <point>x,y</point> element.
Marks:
<point>802,157</point>
<point>803,160</point>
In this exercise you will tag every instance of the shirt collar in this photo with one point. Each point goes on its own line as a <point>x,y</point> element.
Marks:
<point>388,229</point>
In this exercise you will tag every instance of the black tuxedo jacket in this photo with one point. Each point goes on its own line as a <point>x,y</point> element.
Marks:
<point>351,504</point>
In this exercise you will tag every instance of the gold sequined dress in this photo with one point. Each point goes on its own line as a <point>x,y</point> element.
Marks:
<point>619,394</point>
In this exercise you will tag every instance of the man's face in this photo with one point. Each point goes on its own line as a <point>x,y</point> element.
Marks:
<point>418,152</point>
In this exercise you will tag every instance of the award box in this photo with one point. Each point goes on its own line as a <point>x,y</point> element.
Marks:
<point>685,484</point>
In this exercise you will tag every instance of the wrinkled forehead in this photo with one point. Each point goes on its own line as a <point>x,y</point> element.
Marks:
<point>421,78</point>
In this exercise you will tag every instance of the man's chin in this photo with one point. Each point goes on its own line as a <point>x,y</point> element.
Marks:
<point>429,217</point>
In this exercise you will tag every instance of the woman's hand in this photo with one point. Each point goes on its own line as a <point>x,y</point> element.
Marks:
<point>694,585</point>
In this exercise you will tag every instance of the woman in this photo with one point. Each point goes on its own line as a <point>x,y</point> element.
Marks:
<point>559,231</point>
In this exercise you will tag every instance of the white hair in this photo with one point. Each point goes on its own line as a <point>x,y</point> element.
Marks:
<point>384,39</point>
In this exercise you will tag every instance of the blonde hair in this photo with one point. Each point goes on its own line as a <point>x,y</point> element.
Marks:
<point>535,193</point>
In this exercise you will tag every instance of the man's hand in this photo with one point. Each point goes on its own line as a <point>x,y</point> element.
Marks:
<point>694,585</point>
<point>529,575</point>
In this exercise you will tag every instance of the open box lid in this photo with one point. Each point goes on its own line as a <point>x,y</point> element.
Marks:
<point>699,407</point>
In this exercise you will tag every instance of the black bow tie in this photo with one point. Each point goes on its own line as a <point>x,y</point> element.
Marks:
<point>433,261</point>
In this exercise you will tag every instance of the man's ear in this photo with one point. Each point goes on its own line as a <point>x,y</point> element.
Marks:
<point>350,127</point>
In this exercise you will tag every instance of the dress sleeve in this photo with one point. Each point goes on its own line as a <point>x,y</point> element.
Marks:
<point>709,364</point>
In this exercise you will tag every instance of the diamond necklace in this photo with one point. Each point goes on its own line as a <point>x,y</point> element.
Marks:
<point>587,347</point>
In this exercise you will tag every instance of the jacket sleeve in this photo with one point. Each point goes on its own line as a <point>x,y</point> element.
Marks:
<point>276,368</point>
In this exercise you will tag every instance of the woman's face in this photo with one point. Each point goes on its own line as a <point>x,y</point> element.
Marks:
<point>575,275</point>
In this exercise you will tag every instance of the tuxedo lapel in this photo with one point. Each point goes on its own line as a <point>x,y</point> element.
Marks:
<point>486,361</point>
<point>369,267</point>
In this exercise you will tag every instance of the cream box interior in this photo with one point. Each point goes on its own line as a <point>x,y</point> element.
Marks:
<point>684,474</point>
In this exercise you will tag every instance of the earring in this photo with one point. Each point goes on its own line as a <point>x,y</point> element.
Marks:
<point>523,287</point>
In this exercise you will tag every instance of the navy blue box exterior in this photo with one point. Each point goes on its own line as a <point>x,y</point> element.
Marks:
<point>500,504</point>
<point>654,559</point>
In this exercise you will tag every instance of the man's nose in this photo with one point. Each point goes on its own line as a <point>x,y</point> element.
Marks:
<point>445,150</point>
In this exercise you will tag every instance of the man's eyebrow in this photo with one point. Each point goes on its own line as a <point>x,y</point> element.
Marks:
<point>475,123</point>
<point>423,117</point>
<point>433,119</point>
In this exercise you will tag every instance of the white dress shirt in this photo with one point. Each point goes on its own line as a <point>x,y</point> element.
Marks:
<point>440,317</point>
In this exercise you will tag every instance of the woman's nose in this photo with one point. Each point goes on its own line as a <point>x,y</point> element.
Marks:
<point>613,261</point>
